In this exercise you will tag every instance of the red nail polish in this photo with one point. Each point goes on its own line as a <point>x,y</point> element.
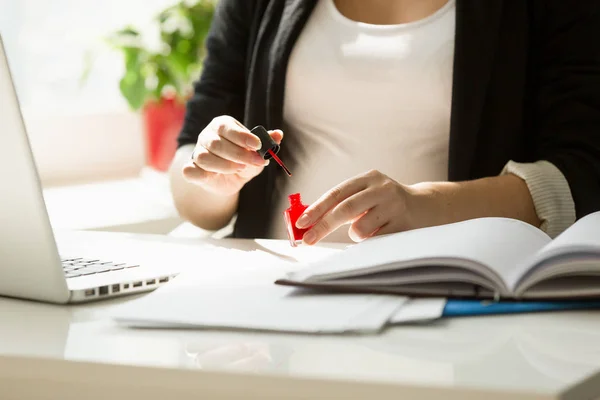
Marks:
<point>291,215</point>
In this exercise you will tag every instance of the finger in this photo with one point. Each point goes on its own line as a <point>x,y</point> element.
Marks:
<point>193,174</point>
<point>227,150</point>
<point>238,123</point>
<point>251,171</point>
<point>213,163</point>
<point>330,199</point>
<point>347,211</point>
<point>276,135</point>
<point>389,228</point>
<point>369,224</point>
<point>238,134</point>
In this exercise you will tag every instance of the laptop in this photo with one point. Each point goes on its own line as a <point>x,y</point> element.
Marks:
<point>30,264</point>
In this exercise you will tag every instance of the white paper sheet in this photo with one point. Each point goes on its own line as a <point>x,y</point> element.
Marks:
<point>259,307</point>
<point>419,310</point>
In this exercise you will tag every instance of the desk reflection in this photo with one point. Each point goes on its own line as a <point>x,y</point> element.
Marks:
<point>33,329</point>
<point>525,351</point>
<point>238,355</point>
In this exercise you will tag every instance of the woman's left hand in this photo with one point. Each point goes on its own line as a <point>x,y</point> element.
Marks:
<point>372,202</point>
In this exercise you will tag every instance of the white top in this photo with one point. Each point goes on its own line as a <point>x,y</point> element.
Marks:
<point>361,96</point>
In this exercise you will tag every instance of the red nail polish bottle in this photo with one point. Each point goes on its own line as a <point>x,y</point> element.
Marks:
<point>291,215</point>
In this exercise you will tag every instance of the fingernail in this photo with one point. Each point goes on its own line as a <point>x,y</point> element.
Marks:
<point>253,143</point>
<point>302,221</point>
<point>309,237</point>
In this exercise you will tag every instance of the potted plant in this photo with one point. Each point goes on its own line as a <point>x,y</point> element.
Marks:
<point>157,81</point>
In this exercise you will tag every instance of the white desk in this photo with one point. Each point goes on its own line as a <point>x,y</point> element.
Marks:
<point>139,204</point>
<point>63,352</point>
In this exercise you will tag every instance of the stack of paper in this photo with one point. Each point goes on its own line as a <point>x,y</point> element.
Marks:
<point>234,289</point>
<point>259,307</point>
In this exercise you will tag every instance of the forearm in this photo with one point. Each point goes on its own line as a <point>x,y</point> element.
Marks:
<point>196,205</point>
<point>500,196</point>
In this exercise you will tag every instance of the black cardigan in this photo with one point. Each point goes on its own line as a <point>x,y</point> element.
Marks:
<point>526,87</point>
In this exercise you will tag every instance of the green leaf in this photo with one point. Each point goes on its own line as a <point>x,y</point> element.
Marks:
<point>88,62</point>
<point>133,57</point>
<point>179,62</point>
<point>133,88</point>
<point>128,31</point>
<point>126,37</point>
<point>163,81</point>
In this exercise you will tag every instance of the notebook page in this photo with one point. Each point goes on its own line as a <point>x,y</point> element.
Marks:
<point>501,244</point>
<point>581,237</point>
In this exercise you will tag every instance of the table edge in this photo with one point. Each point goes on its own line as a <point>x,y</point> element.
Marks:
<point>34,377</point>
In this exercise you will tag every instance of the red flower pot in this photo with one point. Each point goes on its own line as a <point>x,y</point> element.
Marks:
<point>163,120</point>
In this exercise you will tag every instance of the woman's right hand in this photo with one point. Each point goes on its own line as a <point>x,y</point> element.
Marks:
<point>225,157</point>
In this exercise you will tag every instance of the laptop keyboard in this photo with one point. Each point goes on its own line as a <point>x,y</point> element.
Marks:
<point>74,267</point>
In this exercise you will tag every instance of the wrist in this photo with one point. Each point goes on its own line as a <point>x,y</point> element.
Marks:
<point>425,205</point>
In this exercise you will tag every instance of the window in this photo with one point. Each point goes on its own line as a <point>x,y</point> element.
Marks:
<point>46,44</point>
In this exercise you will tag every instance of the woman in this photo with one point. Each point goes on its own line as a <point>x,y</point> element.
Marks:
<point>398,114</point>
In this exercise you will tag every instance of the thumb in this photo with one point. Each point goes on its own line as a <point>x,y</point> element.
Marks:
<point>276,135</point>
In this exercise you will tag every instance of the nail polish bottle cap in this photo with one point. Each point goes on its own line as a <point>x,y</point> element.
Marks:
<point>266,141</point>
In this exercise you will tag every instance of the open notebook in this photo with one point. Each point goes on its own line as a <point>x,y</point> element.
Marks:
<point>483,258</point>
